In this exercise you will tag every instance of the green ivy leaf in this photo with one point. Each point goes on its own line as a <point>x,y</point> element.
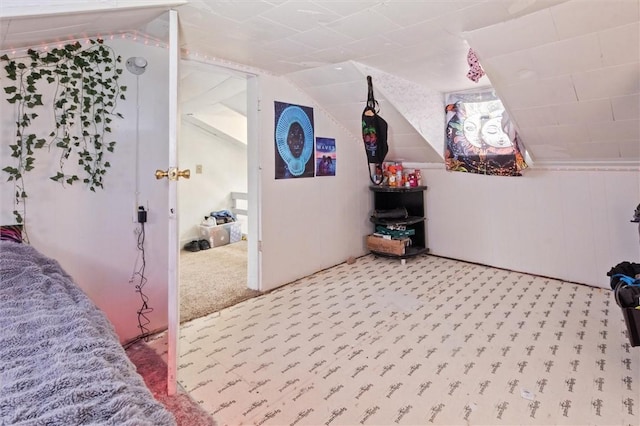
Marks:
<point>57,177</point>
<point>16,97</point>
<point>18,216</point>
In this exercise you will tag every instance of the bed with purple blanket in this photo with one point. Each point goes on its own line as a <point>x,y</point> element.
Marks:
<point>61,362</point>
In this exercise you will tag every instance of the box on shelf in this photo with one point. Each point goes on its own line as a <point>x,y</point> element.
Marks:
<point>220,235</point>
<point>387,246</point>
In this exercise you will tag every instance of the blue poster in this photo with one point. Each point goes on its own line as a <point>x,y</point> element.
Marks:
<point>294,141</point>
<point>325,157</point>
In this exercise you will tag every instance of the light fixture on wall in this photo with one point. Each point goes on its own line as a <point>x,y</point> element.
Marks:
<point>136,65</point>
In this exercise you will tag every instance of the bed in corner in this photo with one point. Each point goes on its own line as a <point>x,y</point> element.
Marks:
<point>60,360</point>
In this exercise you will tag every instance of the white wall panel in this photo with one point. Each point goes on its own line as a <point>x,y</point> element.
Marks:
<point>92,234</point>
<point>309,224</point>
<point>570,225</point>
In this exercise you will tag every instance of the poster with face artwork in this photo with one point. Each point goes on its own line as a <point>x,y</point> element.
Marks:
<point>480,138</point>
<point>294,141</point>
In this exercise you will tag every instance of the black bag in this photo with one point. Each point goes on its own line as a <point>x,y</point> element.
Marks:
<point>626,292</point>
<point>374,135</point>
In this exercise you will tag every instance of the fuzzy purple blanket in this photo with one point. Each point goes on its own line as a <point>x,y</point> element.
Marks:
<point>60,360</point>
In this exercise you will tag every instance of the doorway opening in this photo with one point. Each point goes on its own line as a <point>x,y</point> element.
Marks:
<point>214,213</point>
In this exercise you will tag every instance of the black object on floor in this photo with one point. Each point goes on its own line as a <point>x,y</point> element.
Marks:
<point>204,245</point>
<point>192,246</point>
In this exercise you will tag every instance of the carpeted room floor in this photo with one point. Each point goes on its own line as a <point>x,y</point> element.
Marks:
<point>213,279</point>
<point>435,341</point>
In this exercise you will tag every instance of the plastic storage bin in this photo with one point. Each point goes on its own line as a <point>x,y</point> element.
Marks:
<point>220,235</point>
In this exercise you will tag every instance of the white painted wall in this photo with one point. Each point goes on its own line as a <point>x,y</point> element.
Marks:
<point>224,170</point>
<point>570,225</point>
<point>92,234</point>
<point>309,224</point>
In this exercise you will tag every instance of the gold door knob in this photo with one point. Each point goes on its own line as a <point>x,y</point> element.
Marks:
<point>173,173</point>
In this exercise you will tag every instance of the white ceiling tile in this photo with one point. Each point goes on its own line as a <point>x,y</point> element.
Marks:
<point>374,45</point>
<point>334,55</point>
<point>611,131</point>
<point>322,38</point>
<point>363,24</point>
<point>626,107</point>
<point>578,17</point>
<point>629,149</point>
<point>537,93</point>
<point>510,68</point>
<point>328,92</point>
<point>521,33</point>
<point>474,15</point>
<point>300,15</point>
<point>240,11</point>
<point>564,134</point>
<point>407,13</point>
<point>593,151</point>
<point>534,117</point>
<point>285,47</point>
<point>530,136</point>
<point>238,103</point>
<point>524,7</point>
<point>322,76</point>
<point>620,45</point>
<point>345,8</point>
<point>261,30</point>
<point>415,34</point>
<point>304,62</point>
<point>607,82</point>
<point>566,56</point>
<point>583,112</point>
<point>550,152</point>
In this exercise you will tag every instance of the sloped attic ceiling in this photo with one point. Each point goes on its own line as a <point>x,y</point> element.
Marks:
<point>567,71</point>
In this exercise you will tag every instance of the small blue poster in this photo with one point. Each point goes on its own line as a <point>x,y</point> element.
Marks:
<point>325,157</point>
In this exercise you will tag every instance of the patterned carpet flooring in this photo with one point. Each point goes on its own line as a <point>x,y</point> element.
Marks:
<point>434,341</point>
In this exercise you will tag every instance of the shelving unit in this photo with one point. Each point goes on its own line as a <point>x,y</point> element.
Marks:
<point>410,198</point>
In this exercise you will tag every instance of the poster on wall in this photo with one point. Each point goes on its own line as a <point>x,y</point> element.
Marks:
<point>294,141</point>
<point>480,138</point>
<point>325,157</point>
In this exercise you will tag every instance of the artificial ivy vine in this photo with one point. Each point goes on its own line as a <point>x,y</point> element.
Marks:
<point>84,105</point>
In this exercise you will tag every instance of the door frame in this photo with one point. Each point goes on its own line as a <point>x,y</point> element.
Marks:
<point>173,301</point>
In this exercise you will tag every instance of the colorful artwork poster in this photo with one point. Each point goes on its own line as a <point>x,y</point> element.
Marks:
<point>480,138</point>
<point>325,157</point>
<point>294,141</point>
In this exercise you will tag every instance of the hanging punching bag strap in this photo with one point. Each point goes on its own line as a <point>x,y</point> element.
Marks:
<point>375,169</point>
<point>372,104</point>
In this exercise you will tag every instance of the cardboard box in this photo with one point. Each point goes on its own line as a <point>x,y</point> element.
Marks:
<point>387,246</point>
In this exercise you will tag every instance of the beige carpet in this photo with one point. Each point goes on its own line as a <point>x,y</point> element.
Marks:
<point>213,279</point>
